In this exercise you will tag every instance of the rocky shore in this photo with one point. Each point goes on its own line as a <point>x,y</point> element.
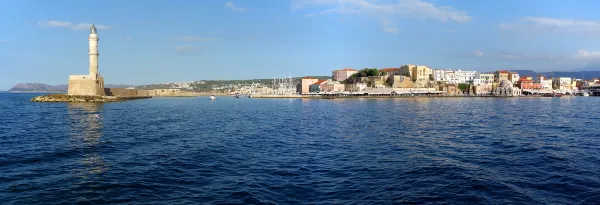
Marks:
<point>76,98</point>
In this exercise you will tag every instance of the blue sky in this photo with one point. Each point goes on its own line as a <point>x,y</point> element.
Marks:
<point>154,41</point>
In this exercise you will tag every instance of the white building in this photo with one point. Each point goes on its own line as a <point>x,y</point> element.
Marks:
<point>454,77</point>
<point>440,75</point>
<point>357,87</point>
<point>546,83</point>
<point>561,83</point>
<point>464,76</point>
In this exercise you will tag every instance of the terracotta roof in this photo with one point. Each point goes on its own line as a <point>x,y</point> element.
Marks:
<point>514,72</point>
<point>388,69</point>
<point>319,82</point>
<point>502,71</point>
<point>308,77</point>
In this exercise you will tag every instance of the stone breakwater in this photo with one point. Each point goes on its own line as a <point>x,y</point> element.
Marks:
<point>81,98</point>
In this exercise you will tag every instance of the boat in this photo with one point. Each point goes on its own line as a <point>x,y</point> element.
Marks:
<point>212,97</point>
<point>552,95</point>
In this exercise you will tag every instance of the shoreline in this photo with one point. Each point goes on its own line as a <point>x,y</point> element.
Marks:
<point>367,97</point>
<point>84,99</point>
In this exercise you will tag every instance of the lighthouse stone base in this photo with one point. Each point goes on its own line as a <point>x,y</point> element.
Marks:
<point>84,85</point>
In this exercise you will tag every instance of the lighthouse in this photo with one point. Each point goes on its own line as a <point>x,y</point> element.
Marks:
<point>91,84</point>
<point>93,52</point>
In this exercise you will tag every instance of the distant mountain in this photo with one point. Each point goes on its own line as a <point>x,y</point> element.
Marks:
<point>587,75</point>
<point>41,87</point>
<point>37,87</point>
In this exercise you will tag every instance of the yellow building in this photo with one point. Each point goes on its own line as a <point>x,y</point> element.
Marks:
<point>501,75</point>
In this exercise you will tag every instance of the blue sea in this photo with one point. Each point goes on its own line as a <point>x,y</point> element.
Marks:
<point>301,151</point>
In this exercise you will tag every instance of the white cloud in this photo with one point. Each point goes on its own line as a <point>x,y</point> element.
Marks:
<point>192,38</point>
<point>552,24</point>
<point>478,53</point>
<point>65,24</point>
<point>587,55</point>
<point>127,38</point>
<point>233,7</point>
<point>417,9</point>
<point>185,49</point>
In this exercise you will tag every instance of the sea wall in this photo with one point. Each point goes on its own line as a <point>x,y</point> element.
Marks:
<point>83,98</point>
<point>154,93</point>
<point>121,92</point>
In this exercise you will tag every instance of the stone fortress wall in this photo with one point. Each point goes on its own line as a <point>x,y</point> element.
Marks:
<point>84,85</point>
<point>154,93</point>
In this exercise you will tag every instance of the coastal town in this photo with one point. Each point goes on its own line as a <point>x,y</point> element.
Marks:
<point>415,80</point>
<point>406,80</point>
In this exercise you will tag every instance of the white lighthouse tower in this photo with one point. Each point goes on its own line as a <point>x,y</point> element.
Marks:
<point>93,51</point>
<point>93,83</point>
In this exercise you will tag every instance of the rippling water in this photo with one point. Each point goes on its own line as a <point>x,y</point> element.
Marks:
<point>301,151</point>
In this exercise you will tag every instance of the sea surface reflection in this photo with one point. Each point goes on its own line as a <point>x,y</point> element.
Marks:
<point>301,151</point>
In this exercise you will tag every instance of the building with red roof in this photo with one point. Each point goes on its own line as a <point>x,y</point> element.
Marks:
<point>316,87</point>
<point>343,74</point>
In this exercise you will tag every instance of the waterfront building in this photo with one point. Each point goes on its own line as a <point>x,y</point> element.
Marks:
<point>422,73</point>
<point>407,70</point>
<point>546,83</point>
<point>513,77</point>
<point>355,87</point>
<point>561,83</point>
<point>400,81</point>
<point>487,78</point>
<point>93,83</point>
<point>390,71</point>
<point>501,75</point>
<point>341,75</point>
<point>305,84</point>
<point>378,81</point>
<point>483,79</point>
<point>316,87</point>
<point>483,83</point>
<point>477,79</point>
<point>506,88</point>
<point>574,83</point>
<point>483,89</point>
<point>451,77</point>
<point>332,87</point>
<point>464,76</point>
<point>527,82</point>
<point>449,89</point>
<point>439,75</point>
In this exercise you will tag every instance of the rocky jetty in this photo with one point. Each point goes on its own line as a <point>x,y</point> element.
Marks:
<point>79,98</point>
